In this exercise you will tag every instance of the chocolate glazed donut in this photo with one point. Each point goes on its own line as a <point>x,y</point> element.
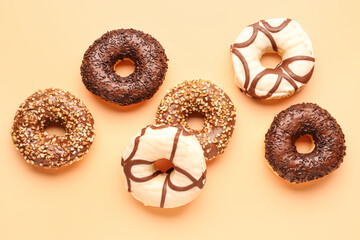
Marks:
<point>98,66</point>
<point>287,127</point>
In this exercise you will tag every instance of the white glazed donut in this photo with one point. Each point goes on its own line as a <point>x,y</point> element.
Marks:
<point>289,40</point>
<point>175,187</point>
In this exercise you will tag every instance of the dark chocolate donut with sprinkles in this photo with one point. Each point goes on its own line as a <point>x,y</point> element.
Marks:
<point>299,120</point>
<point>47,150</point>
<point>147,54</point>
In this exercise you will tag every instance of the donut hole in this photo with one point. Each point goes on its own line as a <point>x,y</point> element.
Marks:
<point>55,128</point>
<point>195,121</point>
<point>124,67</point>
<point>270,60</point>
<point>164,165</point>
<point>305,144</point>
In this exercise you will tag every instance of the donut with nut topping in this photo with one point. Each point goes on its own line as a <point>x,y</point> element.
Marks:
<point>44,149</point>
<point>211,102</point>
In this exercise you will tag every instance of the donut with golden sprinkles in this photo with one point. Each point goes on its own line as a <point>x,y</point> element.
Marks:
<point>43,149</point>
<point>206,98</point>
<point>287,127</point>
<point>147,54</point>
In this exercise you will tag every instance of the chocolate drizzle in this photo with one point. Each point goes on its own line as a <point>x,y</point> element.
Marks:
<point>176,140</point>
<point>164,190</point>
<point>129,162</point>
<point>282,70</point>
<point>275,29</point>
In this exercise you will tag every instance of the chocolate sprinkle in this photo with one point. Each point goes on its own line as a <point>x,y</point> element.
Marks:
<point>98,66</point>
<point>287,127</point>
<point>208,99</point>
<point>44,149</point>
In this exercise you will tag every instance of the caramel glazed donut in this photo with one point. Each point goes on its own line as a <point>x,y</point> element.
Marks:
<point>167,186</point>
<point>284,36</point>
<point>43,149</point>
<point>98,66</point>
<point>206,98</point>
<point>287,127</point>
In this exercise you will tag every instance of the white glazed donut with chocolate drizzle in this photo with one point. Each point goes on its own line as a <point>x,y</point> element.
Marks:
<point>283,36</point>
<point>164,166</point>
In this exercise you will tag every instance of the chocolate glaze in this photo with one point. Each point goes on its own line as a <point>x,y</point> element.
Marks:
<point>129,162</point>
<point>99,76</point>
<point>47,150</point>
<point>287,127</point>
<point>282,70</point>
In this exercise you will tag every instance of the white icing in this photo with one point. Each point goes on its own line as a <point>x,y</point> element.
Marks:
<point>156,144</point>
<point>291,41</point>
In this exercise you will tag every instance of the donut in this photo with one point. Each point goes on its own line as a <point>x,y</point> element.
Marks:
<point>46,150</point>
<point>98,66</point>
<point>206,98</point>
<point>287,127</point>
<point>289,40</point>
<point>174,185</point>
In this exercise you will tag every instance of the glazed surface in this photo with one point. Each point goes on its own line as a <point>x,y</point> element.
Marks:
<point>287,127</point>
<point>206,98</point>
<point>147,54</point>
<point>283,36</point>
<point>175,187</point>
<point>43,149</point>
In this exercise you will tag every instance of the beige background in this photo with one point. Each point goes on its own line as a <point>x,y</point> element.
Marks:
<point>42,44</point>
